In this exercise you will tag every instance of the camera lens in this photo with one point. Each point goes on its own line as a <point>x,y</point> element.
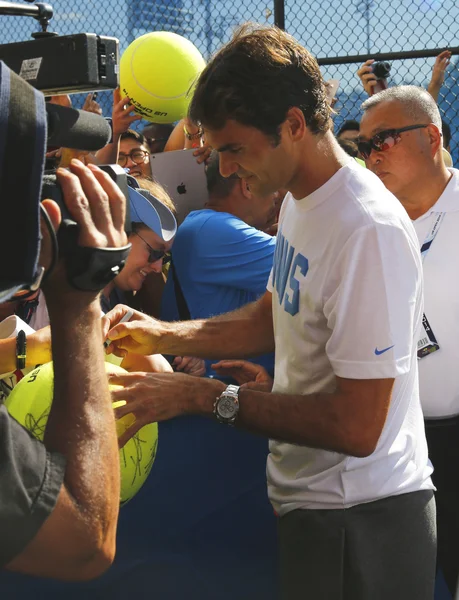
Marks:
<point>381,70</point>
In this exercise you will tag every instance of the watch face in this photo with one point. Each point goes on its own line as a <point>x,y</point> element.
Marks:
<point>227,407</point>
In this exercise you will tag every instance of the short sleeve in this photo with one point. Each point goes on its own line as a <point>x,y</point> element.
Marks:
<point>374,304</point>
<point>234,254</point>
<point>31,479</point>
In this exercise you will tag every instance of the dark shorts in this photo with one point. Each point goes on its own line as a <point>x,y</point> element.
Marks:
<point>382,550</point>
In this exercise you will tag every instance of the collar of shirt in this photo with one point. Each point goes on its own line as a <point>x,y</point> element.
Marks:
<point>449,200</point>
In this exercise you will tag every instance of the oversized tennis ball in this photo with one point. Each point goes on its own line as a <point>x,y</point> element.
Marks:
<point>158,72</point>
<point>30,403</point>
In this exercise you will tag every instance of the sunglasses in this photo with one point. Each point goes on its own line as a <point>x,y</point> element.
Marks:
<point>384,140</point>
<point>155,255</point>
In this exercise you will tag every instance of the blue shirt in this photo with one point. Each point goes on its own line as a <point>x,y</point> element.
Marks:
<point>222,264</point>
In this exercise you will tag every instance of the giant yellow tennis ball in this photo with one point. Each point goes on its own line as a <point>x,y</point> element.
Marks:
<point>158,72</point>
<point>30,403</point>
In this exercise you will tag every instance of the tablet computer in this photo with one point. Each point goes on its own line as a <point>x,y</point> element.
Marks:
<point>183,178</point>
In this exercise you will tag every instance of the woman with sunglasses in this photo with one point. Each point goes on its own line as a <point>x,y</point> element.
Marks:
<point>153,231</point>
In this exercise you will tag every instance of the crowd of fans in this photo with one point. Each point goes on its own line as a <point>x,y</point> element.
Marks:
<point>206,499</point>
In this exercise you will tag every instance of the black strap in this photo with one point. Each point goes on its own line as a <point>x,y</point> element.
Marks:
<point>184,311</point>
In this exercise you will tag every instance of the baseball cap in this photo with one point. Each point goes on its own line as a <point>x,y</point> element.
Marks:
<point>23,131</point>
<point>147,209</point>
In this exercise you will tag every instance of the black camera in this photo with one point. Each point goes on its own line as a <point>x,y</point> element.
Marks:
<point>87,268</point>
<point>55,126</point>
<point>381,70</point>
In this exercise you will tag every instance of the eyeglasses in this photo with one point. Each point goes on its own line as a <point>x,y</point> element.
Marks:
<point>155,255</point>
<point>137,156</point>
<point>384,140</point>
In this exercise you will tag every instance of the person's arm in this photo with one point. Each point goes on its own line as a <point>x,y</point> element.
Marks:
<point>81,428</point>
<point>122,119</point>
<point>77,540</point>
<point>178,141</point>
<point>438,74</point>
<point>38,350</point>
<point>150,364</point>
<point>349,421</point>
<point>177,138</point>
<point>242,333</point>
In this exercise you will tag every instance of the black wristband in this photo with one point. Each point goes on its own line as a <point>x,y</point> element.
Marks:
<point>21,349</point>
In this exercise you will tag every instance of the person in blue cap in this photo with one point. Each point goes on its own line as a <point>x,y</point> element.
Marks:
<point>153,231</point>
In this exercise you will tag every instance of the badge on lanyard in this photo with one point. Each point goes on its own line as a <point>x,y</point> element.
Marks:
<point>428,342</point>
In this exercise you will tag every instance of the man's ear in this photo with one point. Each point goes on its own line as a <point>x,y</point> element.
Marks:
<point>245,189</point>
<point>295,123</point>
<point>435,138</point>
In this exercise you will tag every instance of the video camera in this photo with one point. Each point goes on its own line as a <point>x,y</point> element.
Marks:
<point>29,122</point>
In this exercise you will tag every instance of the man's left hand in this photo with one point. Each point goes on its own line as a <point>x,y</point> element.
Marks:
<point>154,397</point>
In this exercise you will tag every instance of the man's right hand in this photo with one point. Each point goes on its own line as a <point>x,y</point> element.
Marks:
<point>367,77</point>
<point>139,336</point>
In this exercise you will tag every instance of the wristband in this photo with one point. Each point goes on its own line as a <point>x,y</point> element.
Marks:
<point>192,136</point>
<point>21,349</point>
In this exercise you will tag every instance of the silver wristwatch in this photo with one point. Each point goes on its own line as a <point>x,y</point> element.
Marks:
<point>226,406</point>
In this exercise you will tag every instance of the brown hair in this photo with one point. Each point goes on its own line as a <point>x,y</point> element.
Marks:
<point>158,191</point>
<point>131,134</point>
<point>256,78</point>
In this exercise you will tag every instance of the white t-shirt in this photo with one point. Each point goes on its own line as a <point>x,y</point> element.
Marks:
<point>347,301</point>
<point>439,371</point>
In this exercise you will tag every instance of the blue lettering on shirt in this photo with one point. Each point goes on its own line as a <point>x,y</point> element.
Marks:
<point>288,266</point>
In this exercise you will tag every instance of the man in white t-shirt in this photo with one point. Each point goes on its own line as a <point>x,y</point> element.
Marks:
<point>411,165</point>
<point>348,472</point>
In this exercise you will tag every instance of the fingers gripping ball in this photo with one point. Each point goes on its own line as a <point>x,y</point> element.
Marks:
<point>158,72</point>
<point>30,403</point>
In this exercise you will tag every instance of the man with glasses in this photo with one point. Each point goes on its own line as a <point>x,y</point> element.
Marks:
<point>134,154</point>
<point>348,471</point>
<point>401,141</point>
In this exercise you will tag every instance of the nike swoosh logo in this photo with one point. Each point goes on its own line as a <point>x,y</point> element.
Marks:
<point>378,352</point>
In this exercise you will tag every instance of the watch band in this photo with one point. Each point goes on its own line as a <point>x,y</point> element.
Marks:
<point>21,349</point>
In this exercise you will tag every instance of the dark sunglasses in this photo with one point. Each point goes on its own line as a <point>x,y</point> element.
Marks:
<point>155,255</point>
<point>384,140</point>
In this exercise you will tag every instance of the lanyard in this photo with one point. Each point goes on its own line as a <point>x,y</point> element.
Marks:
<point>428,342</point>
<point>431,236</point>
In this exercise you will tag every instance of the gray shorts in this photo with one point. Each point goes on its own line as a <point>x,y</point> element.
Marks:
<point>383,550</point>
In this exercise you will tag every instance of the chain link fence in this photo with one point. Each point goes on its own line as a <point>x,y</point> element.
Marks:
<point>328,28</point>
